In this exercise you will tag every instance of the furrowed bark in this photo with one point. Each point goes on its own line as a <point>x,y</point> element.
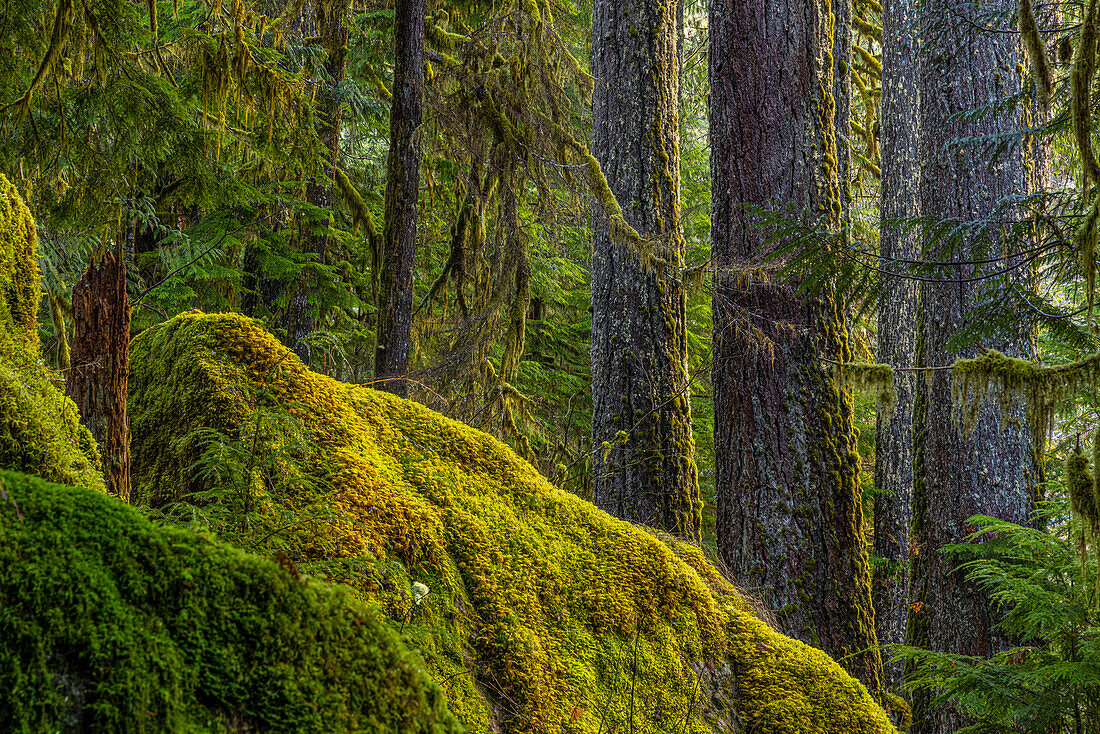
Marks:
<point>100,365</point>
<point>790,521</point>
<point>643,449</point>
<point>897,319</point>
<point>991,470</point>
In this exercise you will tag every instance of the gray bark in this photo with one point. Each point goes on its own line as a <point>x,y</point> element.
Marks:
<point>643,449</point>
<point>991,470</point>
<point>897,318</point>
<point>789,513</point>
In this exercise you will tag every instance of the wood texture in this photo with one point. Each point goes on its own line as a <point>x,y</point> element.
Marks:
<point>789,514</point>
<point>643,449</point>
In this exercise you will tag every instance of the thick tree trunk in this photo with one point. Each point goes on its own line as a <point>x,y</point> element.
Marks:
<point>789,514</point>
<point>991,470</point>
<point>643,458</point>
<point>333,34</point>
<point>842,100</point>
<point>897,318</point>
<point>395,282</point>
<point>101,365</point>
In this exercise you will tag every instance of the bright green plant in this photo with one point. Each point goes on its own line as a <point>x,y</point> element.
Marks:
<point>1049,681</point>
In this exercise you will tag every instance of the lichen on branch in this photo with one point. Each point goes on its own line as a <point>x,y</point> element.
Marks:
<point>1013,379</point>
<point>870,377</point>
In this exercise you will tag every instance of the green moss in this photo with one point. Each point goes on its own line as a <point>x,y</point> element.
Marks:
<point>544,613</point>
<point>877,378</point>
<point>994,365</point>
<point>1037,53</point>
<point>113,624</point>
<point>1079,483</point>
<point>1041,388</point>
<point>40,430</point>
<point>19,288</point>
<point>1084,494</point>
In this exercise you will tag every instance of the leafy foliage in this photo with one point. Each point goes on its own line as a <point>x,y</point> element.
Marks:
<point>1049,682</point>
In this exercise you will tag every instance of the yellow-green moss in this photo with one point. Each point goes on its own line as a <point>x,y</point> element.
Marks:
<point>19,288</point>
<point>544,613</point>
<point>876,378</point>
<point>40,430</point>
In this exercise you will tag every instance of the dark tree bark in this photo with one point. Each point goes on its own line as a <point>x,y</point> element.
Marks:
<point>395,282</point>
<point>100,365</point>
<point>991,470</point>
<point>897,319</point>
<point>842,100</point>
<point>789,514</point>
<point>643,466</point>
<point>329,22</point>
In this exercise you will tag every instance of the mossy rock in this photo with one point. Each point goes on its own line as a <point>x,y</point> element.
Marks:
<point>110,623</point>
<point>40,430</point>
<point>544,614</point>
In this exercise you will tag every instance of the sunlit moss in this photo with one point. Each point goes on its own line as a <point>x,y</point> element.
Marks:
<point>1040,388</point>
<point>544,613</point>
<point>40,430</point>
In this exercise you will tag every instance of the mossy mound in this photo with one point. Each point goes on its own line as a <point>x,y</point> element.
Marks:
<point>40,430</point>
<point>544,613</point>
<point>110,623</point>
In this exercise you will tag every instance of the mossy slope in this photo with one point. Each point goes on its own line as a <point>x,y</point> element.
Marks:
<point>545,614</point>
<point>40,431</point>
<point>110,623</point>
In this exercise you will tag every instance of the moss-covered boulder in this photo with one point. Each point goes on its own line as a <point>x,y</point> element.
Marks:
<point>542,613</point>
<point>40,430</point>
<point>109,623</point>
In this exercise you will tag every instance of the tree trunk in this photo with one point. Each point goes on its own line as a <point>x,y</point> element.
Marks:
<point>643,450</point>
<point>101,365</point>
<point>333,34</point>
<point>897,318</point>
<point>991,470</point>
<point>789,515</point>
<point>395,282</point>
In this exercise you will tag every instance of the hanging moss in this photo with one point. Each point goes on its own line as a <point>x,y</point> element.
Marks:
<point>62,25</point>
<point>1041,388</point>
<point>872,377</point>
<point>113,624</point>
<point>544,613</point>
<point>361,215</point>
<point>1084,494</point>
<point>1082,490</point>
<point>40,430</point>
<point>1080,110</point>
<point>1040,64</point>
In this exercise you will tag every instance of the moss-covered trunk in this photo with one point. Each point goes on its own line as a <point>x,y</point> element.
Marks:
<point>643,463</point>
<point>100,364</point>
<point>897,317</point>
<point>991,470</point>
<point>790,522</point>
<point>395,282</point>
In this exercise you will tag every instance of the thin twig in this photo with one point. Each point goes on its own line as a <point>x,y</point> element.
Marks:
<point>896,369</point>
